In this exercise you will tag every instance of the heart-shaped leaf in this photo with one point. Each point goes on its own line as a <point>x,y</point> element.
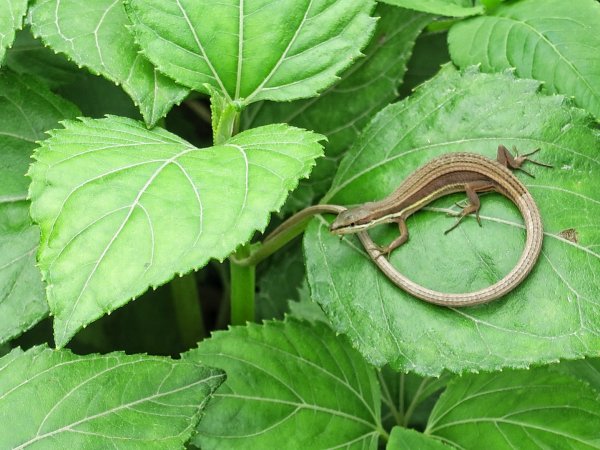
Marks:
<point>535,408</point>
<point>344,109</point>
<point>553,41</point>
<point>253,50</point>
<point>100,401</point>
<point>288,382</point>
<point>95,35</point>
<point>452,8</point>
<point>122,208</point>
<point>11,20</point>
<point>28,109</point>
<point>553,314</point>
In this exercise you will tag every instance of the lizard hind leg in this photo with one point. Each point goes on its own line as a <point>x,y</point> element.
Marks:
<point>505,157</point>
<point>473,202</point>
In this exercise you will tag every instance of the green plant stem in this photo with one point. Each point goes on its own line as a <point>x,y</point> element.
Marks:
<point>188,312</point>
<point>242,289</point>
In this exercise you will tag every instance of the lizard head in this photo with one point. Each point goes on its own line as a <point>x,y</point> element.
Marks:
<point>352,220</point>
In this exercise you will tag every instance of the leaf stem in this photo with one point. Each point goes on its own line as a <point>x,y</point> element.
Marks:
<point>242,288</point>
<point>188,312</point>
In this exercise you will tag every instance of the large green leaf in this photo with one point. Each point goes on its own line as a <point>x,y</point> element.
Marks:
<point>253,50</point>
<point>27,109</point>
<point>54,399</point>
<point>535,409</point>
<point>288,382</point>
<point>11,20</point>
<point>96,35</point>
<point>122,208</point>
<point>549,40</point>
<point>343,110</point>
<point>453,8</point>
<point>553,314</point>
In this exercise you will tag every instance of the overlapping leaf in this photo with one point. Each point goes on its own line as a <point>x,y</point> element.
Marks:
<point>549,40</point>
<point>27,109</point>
<point>537,408</point>
<point>253,50</point>
<point>96,35</point>
<point>453,8</point>
<point>343,110</point>
<point>554,314</point>
<point>55,399</point>
<point>288,382</point>
<point>11,20</point>
<point>122,208</point>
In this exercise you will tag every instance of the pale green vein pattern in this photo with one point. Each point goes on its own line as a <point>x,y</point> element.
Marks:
<point>554,41</point>
<point>453,8</point>
<point>27,110</point>
<point>288,382</point>
<point>11,20</point>
<point>554,314</point>
<point>253,50</point>
<point>53,399</point>
<point>95,35</point>
<point>122,208</point>
<point>343,110</point>
<point>529,409</point>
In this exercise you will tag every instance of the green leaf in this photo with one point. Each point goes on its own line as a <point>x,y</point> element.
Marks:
<point>534,408</point>
<point>587,370</point>
<point>468,112</point>
<point>11,20</point>
<point>95,35</point>
<point>452,8</point>
<point>27,109</point>
<point>253,50</point>
<point>122,208</point>
<point>288,382</point>
<point>28,55</point>
<point>403,438</point>
<point>54,399</point>
<point>552,41</point>
<point>305,308</point>
<point>344,109</point>
<point>429,54</point>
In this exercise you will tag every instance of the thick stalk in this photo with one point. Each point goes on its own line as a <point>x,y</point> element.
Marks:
<point>188,312</point>
<point>242,288</point>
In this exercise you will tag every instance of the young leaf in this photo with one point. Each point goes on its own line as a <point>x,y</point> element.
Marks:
<point>95,35</point>
<point>55,399</point>
<point>11,20</point>
<point>468,112</point>
<point>27,109</point>
<point>288,382</point>
<point>344,109</point>
<point>122,208</point>
<point>452,8</point>
<point>534,408</point>
<point>403,438</point>
<point>253,50</point>
<point>553,41</point>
